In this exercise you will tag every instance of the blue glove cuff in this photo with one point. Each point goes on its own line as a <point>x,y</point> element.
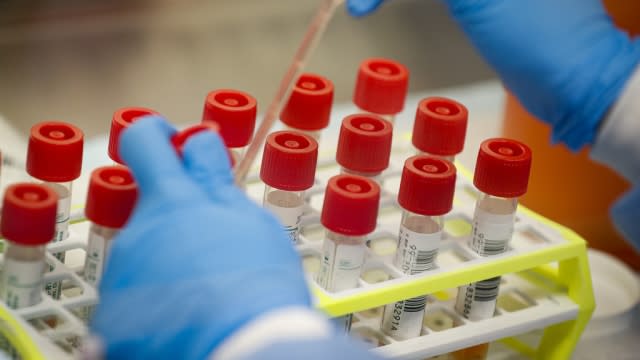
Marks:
<point>580,125</point>
<point>190,333</point>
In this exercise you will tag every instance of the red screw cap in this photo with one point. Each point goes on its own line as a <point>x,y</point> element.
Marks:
<point>350,205</point>
<point>289,161</point>
<point>503,168</point>
<point>440,126</point>
<point>55,151</point>
<point>235,112</point>
<point>179,139</point>
<point>121,120</point>
<point>427,185</point>
<point>382,86</point>
<point>365,143</point>
<point>111,197</point>
<point>29,214</point>
<point>309,107</point>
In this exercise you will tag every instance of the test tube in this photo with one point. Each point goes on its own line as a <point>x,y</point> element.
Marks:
<point>440,127</point>
<point>502,175</point>
<point>110,200</point>
<point>54,156</point>
<point>121,120</point>
<point>28,223</point>
<point>381,87</point>
<point>425,195</point>
<point>288,170</point>
<point>309,108</point>
<point>364,145</point>
<point>235,113</point>
<point>349,214</point>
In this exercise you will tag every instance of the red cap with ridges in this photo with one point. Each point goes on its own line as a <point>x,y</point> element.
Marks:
<point>381,87</point>
<point>440,126</point>
<point>503,168</point>
<point>180,138</point>
<point>427,185</point>
<point>289,161</point>
<point>111,197</point>
<point>235,112</point>
<point>121,120</point>
<point>365,143</point>
<point>309,107</point>
<point>29,214</point>
<point>55,151</point>
<point>350,205</point>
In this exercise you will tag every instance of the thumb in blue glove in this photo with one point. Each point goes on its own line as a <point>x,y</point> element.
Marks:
<point>197,260</point>
<point>360,8</point>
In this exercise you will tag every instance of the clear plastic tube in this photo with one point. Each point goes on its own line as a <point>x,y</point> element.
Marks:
<point>342,260</point>
<point>418,244</point>
<point>389,117</point>
<point>375,176</point>
<point>451,158</point>
<point>97,251</point>
<point>63,213</point>
<point>493,224</point>
<point>22,275</point>
<point>288,206</point>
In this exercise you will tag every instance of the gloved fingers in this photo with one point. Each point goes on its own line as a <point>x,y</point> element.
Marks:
<point>146,148</point>
<point>207,162</point>
<point>360,8</point>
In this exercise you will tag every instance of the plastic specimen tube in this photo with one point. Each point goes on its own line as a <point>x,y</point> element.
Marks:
<point>425,195</point>
<point>364,145</point>
<point>349,214</point>
<point>110,200</point>
<point>54,156</point>
<point>502,175</point>
<point>28,224</point>
<point>309,108</point>
<point>288,170</point>
<point>121,120</point>
<point>440,127</point>
<point>235,114</point>
<point>381,87</point>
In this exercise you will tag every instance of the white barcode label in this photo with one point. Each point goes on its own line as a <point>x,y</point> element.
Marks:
<point>341,265</point>
<point>491,233</point>
<point>416,252</point>
<point>62,219</point>
<point>289,217</point>
<point>21,284</point>
<point>403,319</point>
<point>97,250</point>
<point>478,301</point>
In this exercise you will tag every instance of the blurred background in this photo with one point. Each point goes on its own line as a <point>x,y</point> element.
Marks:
<point>79,60</point>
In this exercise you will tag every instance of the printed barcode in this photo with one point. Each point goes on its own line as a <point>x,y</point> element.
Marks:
<point>425,260</point>
<point>416,304</point>
<point>494,247</point>
<point>486,290</point>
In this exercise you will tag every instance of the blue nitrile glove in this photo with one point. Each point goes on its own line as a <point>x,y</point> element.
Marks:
<point>359,8</point>
<point>564,59</point>
<point>197,260</point>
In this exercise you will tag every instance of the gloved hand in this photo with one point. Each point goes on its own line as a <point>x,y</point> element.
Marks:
<point>359,8</point>
<point>563,59</point>
<point>197,260</point>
